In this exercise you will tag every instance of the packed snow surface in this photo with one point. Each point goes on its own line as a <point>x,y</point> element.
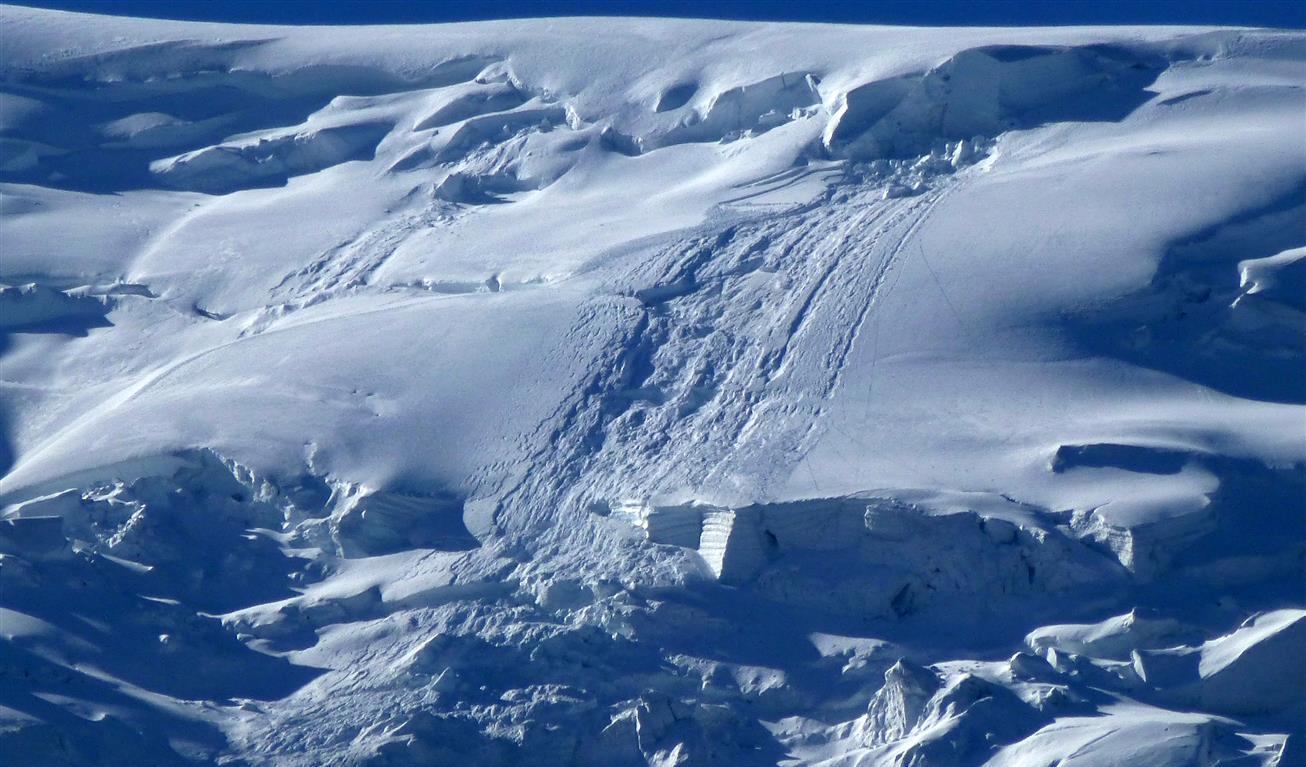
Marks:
<point>651,392</point>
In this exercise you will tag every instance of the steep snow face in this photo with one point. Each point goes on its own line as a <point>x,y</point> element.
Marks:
<point>634,392</point>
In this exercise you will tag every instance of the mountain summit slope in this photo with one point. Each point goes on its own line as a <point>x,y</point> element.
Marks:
<point>651,392</point>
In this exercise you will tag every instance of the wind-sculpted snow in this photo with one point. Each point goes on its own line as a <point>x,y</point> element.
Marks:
<point>985,91</point>
<point>632,392</point>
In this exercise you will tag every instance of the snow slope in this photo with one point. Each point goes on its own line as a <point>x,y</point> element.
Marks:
<point>629,391</point>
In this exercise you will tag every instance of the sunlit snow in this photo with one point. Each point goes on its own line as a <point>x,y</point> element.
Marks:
<point>651,392</point>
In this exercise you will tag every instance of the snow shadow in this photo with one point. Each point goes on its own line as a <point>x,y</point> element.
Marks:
<point>1222,310</point>
<point>101,132</point>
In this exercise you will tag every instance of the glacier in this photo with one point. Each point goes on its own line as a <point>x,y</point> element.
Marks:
<point>619,391</point>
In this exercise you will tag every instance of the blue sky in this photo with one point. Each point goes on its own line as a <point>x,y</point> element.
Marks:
<point>1279,13</point>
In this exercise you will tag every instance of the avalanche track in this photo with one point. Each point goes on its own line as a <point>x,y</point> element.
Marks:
<point>651,392</point>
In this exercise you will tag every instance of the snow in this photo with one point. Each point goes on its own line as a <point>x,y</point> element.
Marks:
<point>650,392</point>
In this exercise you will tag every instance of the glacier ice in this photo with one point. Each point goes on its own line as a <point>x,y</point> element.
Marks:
<point>651,392</point>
